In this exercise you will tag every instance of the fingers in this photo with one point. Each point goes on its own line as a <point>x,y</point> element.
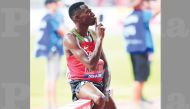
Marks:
<point>102,28</point>
<point>96,23</point>
<point>100,25</point>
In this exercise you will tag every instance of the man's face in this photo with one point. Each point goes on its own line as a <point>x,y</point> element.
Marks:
<point>87,17</point>
<point>54,6</point>
<point>138,4</point>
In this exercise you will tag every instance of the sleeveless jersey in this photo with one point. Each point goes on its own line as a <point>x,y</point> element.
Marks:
<point>77,70</point>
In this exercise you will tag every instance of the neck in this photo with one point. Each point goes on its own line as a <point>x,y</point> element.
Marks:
<point>82,30</point>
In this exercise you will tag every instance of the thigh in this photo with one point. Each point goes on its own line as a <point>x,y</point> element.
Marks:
<point>88,91</point>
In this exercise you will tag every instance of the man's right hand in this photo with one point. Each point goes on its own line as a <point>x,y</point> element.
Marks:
<point>100,30</point>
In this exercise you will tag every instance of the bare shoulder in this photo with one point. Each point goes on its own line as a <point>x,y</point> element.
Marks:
<point>69,37</point>
<point>69,40</point>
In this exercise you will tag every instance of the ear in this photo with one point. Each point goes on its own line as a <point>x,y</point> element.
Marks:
<point>76,18</point>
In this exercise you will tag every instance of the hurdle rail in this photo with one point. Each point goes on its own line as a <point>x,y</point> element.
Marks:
<point>79,104</point>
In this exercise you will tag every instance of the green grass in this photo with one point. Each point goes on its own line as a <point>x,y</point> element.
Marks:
<point>122,78</point>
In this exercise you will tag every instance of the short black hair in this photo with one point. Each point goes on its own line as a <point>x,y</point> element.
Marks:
<point>74,7</point>
<point>50,1</point>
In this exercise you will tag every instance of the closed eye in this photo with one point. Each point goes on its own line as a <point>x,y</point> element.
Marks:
<point>88,11</point>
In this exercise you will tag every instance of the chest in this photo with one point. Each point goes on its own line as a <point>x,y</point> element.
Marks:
<point>88,44</point>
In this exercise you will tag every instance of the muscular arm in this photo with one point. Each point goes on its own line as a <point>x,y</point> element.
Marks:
<point>107,74</point>
<point>91,61</point>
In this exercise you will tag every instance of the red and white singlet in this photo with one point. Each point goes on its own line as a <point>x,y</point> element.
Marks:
<point>78,71</point>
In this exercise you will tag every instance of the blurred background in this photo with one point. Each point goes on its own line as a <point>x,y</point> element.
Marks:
<point>114,11</point>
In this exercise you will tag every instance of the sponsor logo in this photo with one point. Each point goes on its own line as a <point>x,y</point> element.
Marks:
<point>99,75</point>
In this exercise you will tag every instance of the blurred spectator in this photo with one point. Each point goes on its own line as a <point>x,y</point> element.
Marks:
<point>100,2</point>
<point>120,2</point>
<point>50,45</point>
<point>139,44</point>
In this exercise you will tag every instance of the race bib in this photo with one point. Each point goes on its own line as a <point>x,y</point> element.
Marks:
<point>97,73</point>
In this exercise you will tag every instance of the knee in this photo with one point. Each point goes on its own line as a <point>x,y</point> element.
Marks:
<point>99,100</point>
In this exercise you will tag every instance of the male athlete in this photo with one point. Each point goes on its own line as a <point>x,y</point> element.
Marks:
<point>87,66</point>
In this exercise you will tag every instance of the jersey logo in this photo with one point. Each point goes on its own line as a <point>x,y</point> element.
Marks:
<point>100,75</point>
<point>130,31</point>
<point>131,19</point>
